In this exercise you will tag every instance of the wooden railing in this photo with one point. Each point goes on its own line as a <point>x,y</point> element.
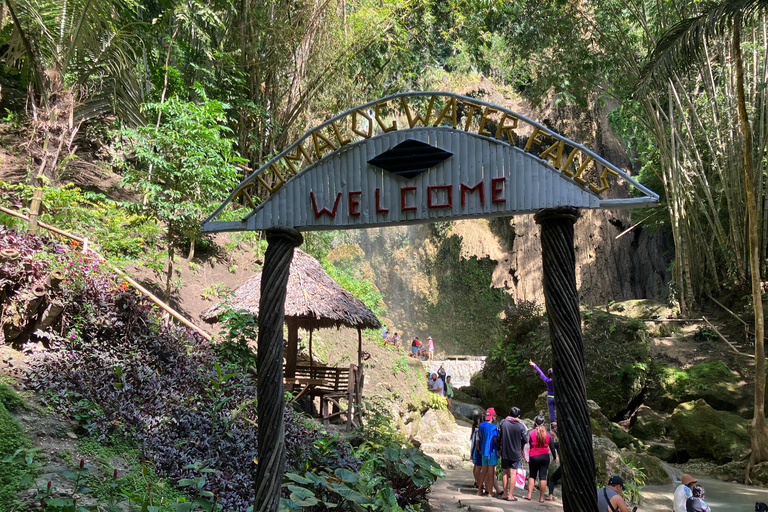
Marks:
<point>332,385</point>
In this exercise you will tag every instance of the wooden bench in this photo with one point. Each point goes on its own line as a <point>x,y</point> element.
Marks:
<point>331,385</point>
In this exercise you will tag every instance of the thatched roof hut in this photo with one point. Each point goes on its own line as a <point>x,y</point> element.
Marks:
<point>314,300</point>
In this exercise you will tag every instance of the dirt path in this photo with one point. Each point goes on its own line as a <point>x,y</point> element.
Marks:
<point>455,491</point>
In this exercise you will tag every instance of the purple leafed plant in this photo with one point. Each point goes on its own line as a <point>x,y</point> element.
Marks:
<point>119,369</point>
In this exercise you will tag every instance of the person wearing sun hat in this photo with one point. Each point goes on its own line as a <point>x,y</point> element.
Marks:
<point>683,492</point>
<point>609,497</point>
<point>487,444</point>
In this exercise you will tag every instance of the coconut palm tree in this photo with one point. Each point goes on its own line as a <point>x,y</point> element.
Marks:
<point>681,45</point>
<point>79,56</point>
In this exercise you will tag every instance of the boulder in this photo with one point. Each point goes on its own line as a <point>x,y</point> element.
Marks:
<point>648,424</point>
<point>609,460</point>
<point>734,472</point>
<point>433,423</point>
<point>712,381</point>
<point>759,474</point>
<point>601,426</point>
<point>650,466</point>
<point>702,431</point>
<point>663,452</point>
<point>541,408</point>
<point>624,439</point>
<point>467,410</point>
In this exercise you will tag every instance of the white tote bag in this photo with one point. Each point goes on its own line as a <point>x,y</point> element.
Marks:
<point>520,480</point>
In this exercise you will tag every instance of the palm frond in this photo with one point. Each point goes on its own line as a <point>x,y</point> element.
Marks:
<point>683,43</point>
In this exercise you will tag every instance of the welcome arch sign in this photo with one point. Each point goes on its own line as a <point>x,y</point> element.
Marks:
<point>424,157</point>
<point>428,157</point>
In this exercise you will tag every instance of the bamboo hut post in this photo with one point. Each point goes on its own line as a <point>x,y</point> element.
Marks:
<point>310,352</point>
<point>351,395</point>
<point>562,301</point>
<point>293,347</point>
<point>359,348</point>
<point>270,469</point>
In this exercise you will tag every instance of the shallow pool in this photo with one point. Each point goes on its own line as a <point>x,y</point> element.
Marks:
<point>721,496</point>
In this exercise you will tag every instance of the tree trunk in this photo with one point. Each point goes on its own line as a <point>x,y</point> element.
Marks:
<point>170,273</point>
<point>759,432</point>
<point>270,468</point>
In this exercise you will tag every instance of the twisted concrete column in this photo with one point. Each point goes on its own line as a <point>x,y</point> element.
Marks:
<point>562,301</point>
<point>269,364</point>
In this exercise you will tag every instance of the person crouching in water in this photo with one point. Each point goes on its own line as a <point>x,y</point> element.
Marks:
<point>538,462</point>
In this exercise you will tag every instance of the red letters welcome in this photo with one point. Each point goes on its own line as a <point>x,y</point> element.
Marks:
<point>318,213</point>
<point>467,188</point>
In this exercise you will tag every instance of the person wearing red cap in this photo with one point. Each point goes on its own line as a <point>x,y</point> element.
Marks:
<point>683,492</point>
<point>487,444</point>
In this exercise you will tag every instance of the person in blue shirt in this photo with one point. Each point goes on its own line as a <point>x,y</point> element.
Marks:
<point>487,444</point>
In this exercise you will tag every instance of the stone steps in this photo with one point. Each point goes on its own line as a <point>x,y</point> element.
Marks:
<point>446,449</point>
<point>450,449</point>
<point>451,461</point>
<point>453,437</point>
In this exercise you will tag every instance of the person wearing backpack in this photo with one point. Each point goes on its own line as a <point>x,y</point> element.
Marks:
<point>609,497</point>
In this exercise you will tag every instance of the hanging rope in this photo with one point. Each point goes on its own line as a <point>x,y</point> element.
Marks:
<point>269,364</point>
<point>562,301</point>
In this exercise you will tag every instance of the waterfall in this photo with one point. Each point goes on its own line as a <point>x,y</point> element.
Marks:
<point>460,368</point>
<point>672,472</point>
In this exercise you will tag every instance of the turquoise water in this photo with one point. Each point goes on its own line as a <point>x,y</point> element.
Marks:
<point>721,496</point>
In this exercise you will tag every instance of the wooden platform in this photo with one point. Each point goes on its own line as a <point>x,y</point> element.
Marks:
<point>340,390</point>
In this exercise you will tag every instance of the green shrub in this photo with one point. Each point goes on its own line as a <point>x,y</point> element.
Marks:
<point>10,399</point>
<point>12,438</point>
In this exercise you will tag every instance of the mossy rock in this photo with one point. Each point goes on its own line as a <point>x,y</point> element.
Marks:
<point>541,407</point>
<point>601,426</point>
<point>734,472</point>
<point>493,388</point>
<point>464,395</point>
<point>663,452</point>
<point>609,460</point>
<point>655,474</point>
<point>643,309</point>
<point>624,439</point>
<point>759,474</point>
<point>649,425</point>
<point>712,381</point>
<point>704,432</point>
<point>617,357</point>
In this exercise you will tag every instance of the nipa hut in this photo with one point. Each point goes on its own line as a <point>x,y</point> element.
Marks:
<point>313,301</point>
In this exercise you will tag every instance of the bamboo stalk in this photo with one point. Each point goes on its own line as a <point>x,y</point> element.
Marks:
<point>726,340</point>
<point>122,274</point>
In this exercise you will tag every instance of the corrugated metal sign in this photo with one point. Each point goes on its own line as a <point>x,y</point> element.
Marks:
<point>423,174</point>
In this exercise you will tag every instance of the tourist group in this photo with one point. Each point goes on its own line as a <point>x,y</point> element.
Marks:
<point>418,349</point>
